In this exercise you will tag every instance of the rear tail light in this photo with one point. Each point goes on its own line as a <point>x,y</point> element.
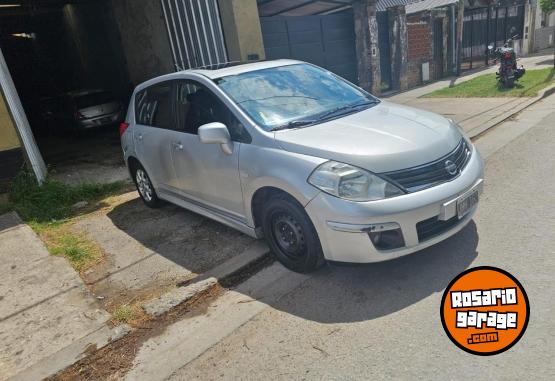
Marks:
<point>122,127</point>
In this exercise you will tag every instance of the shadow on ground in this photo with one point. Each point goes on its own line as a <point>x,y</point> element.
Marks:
<point>342,294</point>
<point>185,238</point>
<point>335,294</point>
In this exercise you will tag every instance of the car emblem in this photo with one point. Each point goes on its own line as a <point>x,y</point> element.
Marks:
<point>451,167</point>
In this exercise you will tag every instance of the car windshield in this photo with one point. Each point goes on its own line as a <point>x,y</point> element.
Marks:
<point>93,99</point>
<point>293,95</point>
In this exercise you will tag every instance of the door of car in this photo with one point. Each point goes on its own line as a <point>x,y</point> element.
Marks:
<point>207,174</point>
<point>154,133</point>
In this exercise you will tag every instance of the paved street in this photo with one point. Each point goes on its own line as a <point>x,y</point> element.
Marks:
<point>381,321</point>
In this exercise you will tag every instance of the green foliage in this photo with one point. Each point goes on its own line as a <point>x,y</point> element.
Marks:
<point>52,200</point>
<point>486,86</point>
<point>547,6</point>
<point>123,314</point>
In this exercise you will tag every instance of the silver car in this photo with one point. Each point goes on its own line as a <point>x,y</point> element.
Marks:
<point>83,110</point>
<point>290,152</point>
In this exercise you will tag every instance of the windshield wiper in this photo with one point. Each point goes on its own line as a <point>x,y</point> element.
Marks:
<point>327,114</point>
<point>294,124</point>
<point>344,108</point>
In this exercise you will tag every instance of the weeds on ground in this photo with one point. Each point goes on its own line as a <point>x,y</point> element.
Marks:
<point>53,200</point>
<point>132,314</point>
<point>48,209</point>
<point>487,85</point>
<point>60,240</point>
<point>122,314</point>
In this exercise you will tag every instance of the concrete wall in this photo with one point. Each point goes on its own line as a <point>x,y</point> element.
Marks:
<point>399,42</point>
<point>8,134</point>
<point>543,38</point>
<point>242,32</point>
<point>144,38</point>
<point>367,47</point>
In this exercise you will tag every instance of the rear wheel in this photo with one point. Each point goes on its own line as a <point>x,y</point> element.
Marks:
<point>145,188</point>
<point>291,235</point>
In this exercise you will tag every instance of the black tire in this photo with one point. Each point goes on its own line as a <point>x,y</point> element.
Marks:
<point>144,187</point>
<point>291,235</point>
<point>510,83</point>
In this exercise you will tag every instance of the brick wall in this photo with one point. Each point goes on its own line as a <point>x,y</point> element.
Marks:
<point>419,33</point>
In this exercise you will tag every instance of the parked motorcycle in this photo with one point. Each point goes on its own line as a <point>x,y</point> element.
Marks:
<point>508,71</point>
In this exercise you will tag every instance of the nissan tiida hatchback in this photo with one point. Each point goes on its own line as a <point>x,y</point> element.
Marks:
<point>290,152</point>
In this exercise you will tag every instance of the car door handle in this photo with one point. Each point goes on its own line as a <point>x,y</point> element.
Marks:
<point>178,146</point>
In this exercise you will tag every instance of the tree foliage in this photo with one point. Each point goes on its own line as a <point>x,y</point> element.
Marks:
<point>547,6</point>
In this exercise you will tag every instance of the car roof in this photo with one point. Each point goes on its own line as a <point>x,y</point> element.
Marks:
<point>220,71</point>
<point>217,71</point>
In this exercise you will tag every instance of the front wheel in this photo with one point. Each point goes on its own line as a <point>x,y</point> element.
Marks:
<point>291,235</point>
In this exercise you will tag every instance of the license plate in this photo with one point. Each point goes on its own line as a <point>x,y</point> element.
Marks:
<point>466,203</point>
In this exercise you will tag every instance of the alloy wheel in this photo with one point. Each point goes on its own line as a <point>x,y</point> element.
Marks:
<point>143,184</point>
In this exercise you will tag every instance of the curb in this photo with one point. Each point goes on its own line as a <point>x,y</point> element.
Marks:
<point>159,306</point>
<point>478,131</point>
<point>74,352</point>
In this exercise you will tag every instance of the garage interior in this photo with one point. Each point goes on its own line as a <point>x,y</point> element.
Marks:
<point>53,47</point>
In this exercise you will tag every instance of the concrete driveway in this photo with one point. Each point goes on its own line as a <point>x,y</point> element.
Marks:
<point>150,251</point>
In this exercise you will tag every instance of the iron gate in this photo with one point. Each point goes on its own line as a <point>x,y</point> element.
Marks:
<point>195,33</point>
<point>484,26</point>
<point>327,41</point>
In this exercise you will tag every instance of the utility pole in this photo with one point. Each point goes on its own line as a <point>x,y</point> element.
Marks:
<point>460,22</point>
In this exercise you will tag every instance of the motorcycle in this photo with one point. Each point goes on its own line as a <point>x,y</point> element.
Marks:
<point>508,71</point>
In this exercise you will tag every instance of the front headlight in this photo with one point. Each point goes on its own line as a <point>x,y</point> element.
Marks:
<point>351,183</point>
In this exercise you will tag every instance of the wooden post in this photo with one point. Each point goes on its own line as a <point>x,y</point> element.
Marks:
<point>460,22</point>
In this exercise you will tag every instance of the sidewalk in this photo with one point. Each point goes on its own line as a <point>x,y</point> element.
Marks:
<point>44,305</point>
<point>474,115</point>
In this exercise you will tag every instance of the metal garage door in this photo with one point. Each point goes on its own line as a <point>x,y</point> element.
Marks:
<point>327,41</point>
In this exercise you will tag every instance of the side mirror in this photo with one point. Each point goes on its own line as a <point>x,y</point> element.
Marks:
<point>216,133</point>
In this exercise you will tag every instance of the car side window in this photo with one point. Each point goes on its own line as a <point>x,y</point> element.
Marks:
<point>197,105</point>
<point>153,106</point>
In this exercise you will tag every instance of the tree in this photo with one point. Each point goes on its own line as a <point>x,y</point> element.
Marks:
<point>548,6</point>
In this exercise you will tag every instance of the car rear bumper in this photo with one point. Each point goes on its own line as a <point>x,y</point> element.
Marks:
<point>424,218</point>
<point>99,121</point>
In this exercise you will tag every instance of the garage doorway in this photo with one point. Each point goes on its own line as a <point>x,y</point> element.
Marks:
<point>327,41</point>
<point>65,57</point>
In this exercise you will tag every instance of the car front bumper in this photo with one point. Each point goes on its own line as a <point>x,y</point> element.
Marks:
<point>343,225</point>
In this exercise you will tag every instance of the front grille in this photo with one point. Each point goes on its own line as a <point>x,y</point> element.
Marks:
<point>427,175</point>
<point>433,226</point>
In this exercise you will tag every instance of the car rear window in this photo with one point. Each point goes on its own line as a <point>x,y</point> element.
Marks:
<point>94,99</point>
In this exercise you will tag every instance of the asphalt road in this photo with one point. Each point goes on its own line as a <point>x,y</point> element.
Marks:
<point>381,321</point>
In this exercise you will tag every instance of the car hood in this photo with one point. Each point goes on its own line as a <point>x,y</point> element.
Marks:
<point>383,138</point>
